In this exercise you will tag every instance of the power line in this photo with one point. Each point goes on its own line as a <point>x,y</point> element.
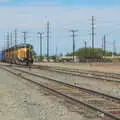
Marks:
<point>73,36</point>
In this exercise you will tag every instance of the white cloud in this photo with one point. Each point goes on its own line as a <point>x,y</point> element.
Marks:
<point>62,19</point>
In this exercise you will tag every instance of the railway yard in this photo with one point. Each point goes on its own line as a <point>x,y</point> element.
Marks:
<point>58,91</point>
<point>59,60</point>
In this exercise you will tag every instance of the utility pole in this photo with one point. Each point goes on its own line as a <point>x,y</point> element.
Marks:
<point>25,33</point>
<point>11,46</point>
<point>73,36</point>
<point>15,32</point>
<point>48,36</point>
<point>15,37</point>
<point>104,39</point>
<point>85,42</point>
<point>40,36</point>
<point>8,45</point>
<point>11,40</point>
<point>93,35</point>
<point>102,46</point>
<point>4,41</point>
<point>56,52</point>
<point>114,47</point>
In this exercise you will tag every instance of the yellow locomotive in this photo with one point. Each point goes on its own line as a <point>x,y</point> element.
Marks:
<point>19,54</point>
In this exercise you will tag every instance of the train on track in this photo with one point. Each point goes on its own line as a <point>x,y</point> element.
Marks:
<point>19,54</point>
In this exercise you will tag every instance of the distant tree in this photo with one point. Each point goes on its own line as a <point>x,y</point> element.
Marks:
<point>108,54</point>
<point>53,57</point>
<point>88,53</point>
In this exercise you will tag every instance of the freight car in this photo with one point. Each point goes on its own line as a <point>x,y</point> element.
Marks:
<point>19,54</point>
<point>1,56</point>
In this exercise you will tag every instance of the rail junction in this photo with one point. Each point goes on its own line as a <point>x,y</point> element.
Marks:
<point>101,104</point>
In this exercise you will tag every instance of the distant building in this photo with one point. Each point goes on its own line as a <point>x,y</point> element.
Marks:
<point>112,58</point>
<point>67,58</point>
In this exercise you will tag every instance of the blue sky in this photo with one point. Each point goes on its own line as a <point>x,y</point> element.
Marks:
<point>61,2</point>
<point>90,2</point>
<point>32,16</point>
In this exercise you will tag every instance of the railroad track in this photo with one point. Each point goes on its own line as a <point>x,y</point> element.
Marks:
<point>98,102</point>
<point>105,76</point>
<point>113,77</point>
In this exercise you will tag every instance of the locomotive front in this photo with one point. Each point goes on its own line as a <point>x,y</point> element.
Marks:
<point>29,56</point>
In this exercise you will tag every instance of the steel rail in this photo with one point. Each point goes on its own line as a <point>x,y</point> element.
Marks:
<point>78,87</point>
<point>66,96</point>
<point>79,72</point>
<point>112,75</point>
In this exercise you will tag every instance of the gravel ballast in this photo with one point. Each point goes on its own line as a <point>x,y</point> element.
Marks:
<point>90,83</point>
<point>20,100</point>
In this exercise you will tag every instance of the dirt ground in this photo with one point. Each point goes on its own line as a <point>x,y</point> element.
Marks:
<point>104,67</point>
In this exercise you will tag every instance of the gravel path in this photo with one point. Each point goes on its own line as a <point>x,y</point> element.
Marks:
<point>22,101</point>
<point>103,86</point>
